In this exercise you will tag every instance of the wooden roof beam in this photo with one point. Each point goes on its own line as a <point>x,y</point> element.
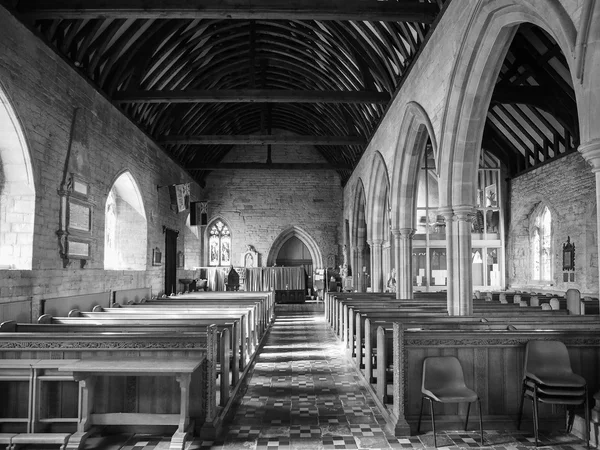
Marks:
<point>251,96</point>
<point>253,139</point>
<point>390,11</point>
<point>269,166</point>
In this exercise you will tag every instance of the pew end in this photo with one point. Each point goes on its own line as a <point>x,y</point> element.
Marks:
<point>9,326</point>
<point>44,319</point>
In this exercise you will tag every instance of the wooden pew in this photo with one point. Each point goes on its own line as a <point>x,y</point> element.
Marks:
<point>228,369</point>
<point>493,365</point>
<point>159,349</point>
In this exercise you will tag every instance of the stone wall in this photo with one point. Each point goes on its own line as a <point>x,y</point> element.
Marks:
<point>44,93</point>
<point>567,187</point>
<point>259,205</point>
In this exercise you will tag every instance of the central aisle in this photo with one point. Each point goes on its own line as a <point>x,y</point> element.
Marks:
<point>303,393</point>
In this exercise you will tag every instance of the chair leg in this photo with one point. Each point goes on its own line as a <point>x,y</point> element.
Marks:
<point>521,406</point>
<point>431,409</point>
<point>587,419</point>
<point>535,415</point>
<point>420,414</point>
<point>467,419</point>
<point>480,420</point>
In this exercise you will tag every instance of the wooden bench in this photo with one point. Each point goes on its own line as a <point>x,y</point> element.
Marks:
<point>156,347</point>
<point>86,373</point>
<point>228,354</point>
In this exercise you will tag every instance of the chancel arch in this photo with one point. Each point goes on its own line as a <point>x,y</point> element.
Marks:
<point>379,238</point>
<point>418,154</point>
<point>17,192</point>
<point>125,226</point>
<point>481,56</point>
<point>304,237</point>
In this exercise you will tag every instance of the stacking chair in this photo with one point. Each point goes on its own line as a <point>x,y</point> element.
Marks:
<point>444,382</point>
<point>548,378</point>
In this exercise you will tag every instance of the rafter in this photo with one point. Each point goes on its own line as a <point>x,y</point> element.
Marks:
<point>231,9</point>
<point>269,166</point>
<point>252,139</point>
<point>251,96</point>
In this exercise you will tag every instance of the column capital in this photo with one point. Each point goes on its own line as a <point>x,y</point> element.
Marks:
<point>447,212</point>
<point>375,242</point>
<point>403,232</point>
<point>464,212</point>
<point>591,153</point>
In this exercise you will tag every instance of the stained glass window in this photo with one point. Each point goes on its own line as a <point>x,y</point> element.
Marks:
<point>219,244</point>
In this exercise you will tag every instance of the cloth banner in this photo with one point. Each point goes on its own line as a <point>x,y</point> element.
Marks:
<point>182,192</point>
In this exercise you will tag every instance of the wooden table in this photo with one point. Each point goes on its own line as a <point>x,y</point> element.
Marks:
<point>86,371</point>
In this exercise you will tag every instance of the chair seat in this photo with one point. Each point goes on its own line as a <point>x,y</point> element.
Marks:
<point>451,394</point>
<point>555,391</point>
<point>556,400</point>
<point>571,380</point>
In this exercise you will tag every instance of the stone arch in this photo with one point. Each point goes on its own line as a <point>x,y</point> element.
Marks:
<point>17,191</point>
<point>415,130</point>
<point>359,214</point>
<point>306,238</point>
<point>481,54</point>
<point>379,191</point>
<point>126,226</point>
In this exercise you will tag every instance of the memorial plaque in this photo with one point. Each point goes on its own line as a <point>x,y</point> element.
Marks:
<point>79,216</point>
<point>79,249</point>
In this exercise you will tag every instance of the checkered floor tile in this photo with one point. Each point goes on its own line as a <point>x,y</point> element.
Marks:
<point>304,394</point>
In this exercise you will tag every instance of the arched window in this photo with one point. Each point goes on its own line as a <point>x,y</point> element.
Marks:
<point>17,192</point>
<point>125,227</point>
<point>541,244</point>
<point>219,244</point>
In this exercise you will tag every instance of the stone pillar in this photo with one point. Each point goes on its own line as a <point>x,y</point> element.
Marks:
<point>403,256</point>
<point>377,275</point>
<point>359,275</point>
<point>591,153</point>
<point>386,262</point>
<point>465,263</point>
<point>451,265</point>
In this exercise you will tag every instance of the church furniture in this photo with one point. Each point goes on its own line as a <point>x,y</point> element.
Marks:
<point>125,296</point>
<point>60,306</point>
<point>86,372</point>
<point>443,381</point>
<point>30,423</point>
<point>495,359</point>
<point>133,345</point>
<point>548,378</point>
<point>289,296</point>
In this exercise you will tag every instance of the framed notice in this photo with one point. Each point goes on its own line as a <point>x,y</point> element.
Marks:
<point>79,216</point>
<point>78,248</point>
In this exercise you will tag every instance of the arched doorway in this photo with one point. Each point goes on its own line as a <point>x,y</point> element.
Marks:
<point>294,253</point>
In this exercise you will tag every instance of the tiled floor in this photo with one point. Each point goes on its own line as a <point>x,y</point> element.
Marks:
<point>304,394</point>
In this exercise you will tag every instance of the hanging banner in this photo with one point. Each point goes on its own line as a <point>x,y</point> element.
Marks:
<point>182,192</point>
<point>199,213</point>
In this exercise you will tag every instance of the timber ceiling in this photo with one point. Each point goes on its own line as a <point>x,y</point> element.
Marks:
<point>200,79</point>
<point>533,115</point>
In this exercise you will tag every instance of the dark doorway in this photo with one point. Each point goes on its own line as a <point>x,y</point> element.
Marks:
<point>294,253</point>
<point>171,261</point>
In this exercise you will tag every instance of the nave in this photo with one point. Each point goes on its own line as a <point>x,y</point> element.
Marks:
<point>303,393</point>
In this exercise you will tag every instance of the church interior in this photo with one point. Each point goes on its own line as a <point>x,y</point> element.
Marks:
<point>257,224</point>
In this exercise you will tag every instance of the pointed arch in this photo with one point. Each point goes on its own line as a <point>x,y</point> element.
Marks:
<point>126,227</point>
<point>378,202</point>
<point>483,50</point>
<point>306,238</point>
<point>359,214</point>
<point>415,130</point>
<point>17,191</point>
